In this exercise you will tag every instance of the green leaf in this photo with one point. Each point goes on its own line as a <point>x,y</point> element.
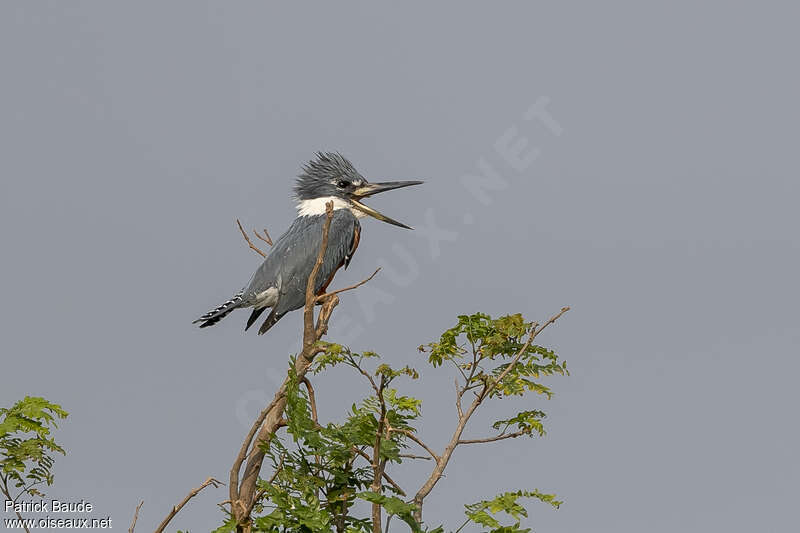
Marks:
<point>529,422</point>
<point>394,506</point>
<point>26,444</point>
<point>482,512</point>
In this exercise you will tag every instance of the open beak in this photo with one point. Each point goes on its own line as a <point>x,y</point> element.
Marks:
<point>369,189</point>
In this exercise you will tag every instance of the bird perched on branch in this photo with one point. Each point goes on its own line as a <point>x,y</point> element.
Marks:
<point>280,282</point>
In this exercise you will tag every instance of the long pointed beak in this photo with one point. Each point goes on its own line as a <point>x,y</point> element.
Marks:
<point>374,188</point>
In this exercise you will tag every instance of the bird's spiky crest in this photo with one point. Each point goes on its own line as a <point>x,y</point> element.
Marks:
<point>319,175</point>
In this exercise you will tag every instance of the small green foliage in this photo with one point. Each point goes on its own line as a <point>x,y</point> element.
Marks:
<point>482,512</point>
<point>333,355</point>
<point>388,372</point>
<point>477,340</point>
<point>26,446</point>
<point>394,506</point>
<point>535,362</point>
<point>484,350</point>
<point>528,422</point>
<point>326,475</point>
<point>486,337</point>
<point>319,475</point>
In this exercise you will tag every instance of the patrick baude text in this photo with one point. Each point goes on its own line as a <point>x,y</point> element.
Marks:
<point>48,506</point>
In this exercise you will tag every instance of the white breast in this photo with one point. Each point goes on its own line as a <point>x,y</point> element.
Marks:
<point>266,298</point>
<point>317,206</point>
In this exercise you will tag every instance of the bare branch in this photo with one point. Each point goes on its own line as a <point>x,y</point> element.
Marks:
<point>311,399</point>
<point>243,495</point>
<point>412,436</point>
<point>309,331</point>
<point>249,242</point>
<point>261,492</point>
<point>459,393</point>
<point>277,471</point>
<point>322,321</point>
<point>461,370</point>
<point>7,492</point>
<point>553,318</point>
<point>243,451</point>
<point>266,238</point>
<point>369,378</point>
<point>192,494</point>
<point>135,517</point>
<point>378,465</point>
<point>493,439</point>
<point>385,475</point>
<point>412,456</point>
<point>321,297</point>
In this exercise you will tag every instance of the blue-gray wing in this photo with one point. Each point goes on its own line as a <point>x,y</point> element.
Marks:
<point>291,259</point>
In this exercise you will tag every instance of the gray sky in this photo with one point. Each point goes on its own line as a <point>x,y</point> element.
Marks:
<point>657,196</point>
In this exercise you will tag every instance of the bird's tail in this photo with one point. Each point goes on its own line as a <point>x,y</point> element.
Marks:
<point>218,313</point>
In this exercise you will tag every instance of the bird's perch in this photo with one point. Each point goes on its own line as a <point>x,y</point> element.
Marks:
<point>243,493</point>
<point>266,238</point>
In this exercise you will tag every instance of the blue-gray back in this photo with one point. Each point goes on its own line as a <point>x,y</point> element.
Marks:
<point>290,260</point>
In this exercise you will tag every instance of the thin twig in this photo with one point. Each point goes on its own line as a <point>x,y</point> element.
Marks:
<point>416,439</point>
<point>459,393</point>
<point>412,456</point>
<point>493,439</point>
<point>192,494</point>
<point>461,370</point>
<point>350,288</point>
<point>135,517</point>
<point>322,322</point>
<point>5,490</point>
<point>309,337</point>
<point>244,450</point>
<point>311,399</point>
<point>366,375</point>
<point>266,238</point>
<point>263,490</point>
<point>252,246</point>
<point>385,475</point>
<point>244,493</point>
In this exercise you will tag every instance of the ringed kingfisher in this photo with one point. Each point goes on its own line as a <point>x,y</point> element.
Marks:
<point>280,282</point>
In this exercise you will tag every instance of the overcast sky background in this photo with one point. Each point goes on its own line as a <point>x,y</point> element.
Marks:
<point>659,200</point>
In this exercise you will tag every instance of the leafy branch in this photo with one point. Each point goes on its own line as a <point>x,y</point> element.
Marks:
<point>26,447</point>
<point>325,475</point>
<point>488,340</point>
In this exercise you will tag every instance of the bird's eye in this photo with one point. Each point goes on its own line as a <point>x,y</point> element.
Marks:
<point>343,184</point>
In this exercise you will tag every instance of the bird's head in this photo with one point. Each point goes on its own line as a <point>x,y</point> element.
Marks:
<point>331,177</point>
